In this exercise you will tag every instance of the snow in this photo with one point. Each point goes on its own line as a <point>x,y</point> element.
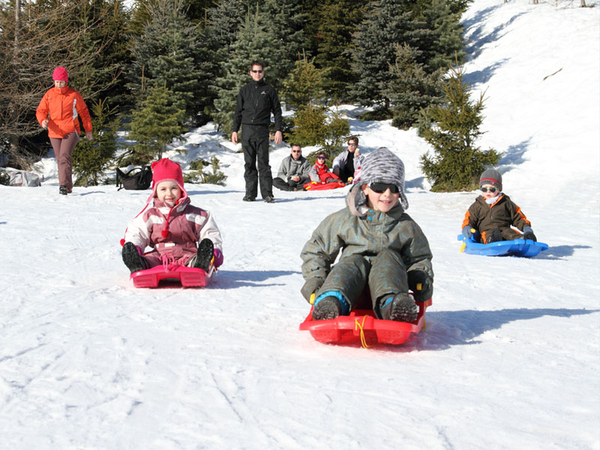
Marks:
<point>510,357</point>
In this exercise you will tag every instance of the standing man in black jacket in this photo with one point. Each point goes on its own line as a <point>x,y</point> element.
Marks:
<point>255,103</point>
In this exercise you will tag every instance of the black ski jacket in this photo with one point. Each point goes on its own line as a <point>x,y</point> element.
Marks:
<point>255,103</point>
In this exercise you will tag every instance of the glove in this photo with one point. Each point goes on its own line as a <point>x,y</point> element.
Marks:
<point>419,279</point>
<point>528,234</point>
<point>466,231</point>
<point>218,259</point>
<point>311,286</point>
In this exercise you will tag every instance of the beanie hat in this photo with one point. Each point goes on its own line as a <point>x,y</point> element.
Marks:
<point>491,176</point>
<point>167,170</point>
<point>384,167</point>
<point>60,74</point>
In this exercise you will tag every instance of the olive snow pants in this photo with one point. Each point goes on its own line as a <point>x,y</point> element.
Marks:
<point>385,275</point>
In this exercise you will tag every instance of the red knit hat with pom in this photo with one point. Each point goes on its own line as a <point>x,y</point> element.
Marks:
<point>164,170</point>
<point>167,170</point>
<point>60,74</point>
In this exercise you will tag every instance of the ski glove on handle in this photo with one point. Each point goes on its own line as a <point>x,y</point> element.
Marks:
<point>310,287</point>
<point>528,234</point>
<point>466,231</point>
<point>420,284</point>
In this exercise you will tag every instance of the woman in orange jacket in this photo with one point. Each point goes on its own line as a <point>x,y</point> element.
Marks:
<point>58,113</point>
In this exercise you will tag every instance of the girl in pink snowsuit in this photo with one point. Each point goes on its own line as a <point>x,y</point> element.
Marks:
<point>178,233</point>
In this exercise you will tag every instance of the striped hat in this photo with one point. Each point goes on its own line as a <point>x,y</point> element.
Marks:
<point>384,167</point>
<point>491,176</point>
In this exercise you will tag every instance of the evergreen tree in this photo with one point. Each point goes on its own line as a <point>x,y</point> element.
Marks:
<point>285,29</point>
<point>304,85</point>
<point>313,126</point>
<point>169,53</point>
<point>338,20</point>
<point>452,128</point>
<point>154,125</point>
<point>387,23</point>
<point>221,30</point>
<point>93,157</point>
<point>411,88</point>
<point>252,44</point>
<point>438,34</point>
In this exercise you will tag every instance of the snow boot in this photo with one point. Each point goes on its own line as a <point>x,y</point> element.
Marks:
<point>132,258</point>
<point>62,190</point>
<point>401,308</point>
<point>204,254</point>
<point>327,308</point>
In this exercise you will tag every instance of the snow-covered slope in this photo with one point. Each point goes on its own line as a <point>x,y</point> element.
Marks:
<point>510,357</point>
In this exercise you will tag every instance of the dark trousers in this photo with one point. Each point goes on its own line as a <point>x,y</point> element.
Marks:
<point>255,143</point>
<point>63,151</point>
<point>291,185</point>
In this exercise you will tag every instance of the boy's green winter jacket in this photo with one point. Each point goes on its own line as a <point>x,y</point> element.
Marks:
<point>362,231</point>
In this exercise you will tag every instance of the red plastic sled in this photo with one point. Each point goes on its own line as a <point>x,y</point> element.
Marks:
<point>314,186</point>
<point>362,326</point>
<point>187,276</point>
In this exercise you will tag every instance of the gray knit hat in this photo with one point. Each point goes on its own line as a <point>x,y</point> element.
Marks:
<point>384,167</point>
<point>491,176</point>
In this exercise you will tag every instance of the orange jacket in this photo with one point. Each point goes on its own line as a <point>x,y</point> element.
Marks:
<point>62,106</point>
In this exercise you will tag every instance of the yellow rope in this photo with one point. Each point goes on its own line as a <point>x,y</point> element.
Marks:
<point>363,341</point>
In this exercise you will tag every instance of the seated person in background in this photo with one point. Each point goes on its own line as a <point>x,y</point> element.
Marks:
<point>348,162</point>
<point>493,213</point>
<point>319,173</point>
<point>293,171</point>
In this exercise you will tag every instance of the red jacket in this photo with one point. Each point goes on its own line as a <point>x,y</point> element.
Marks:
<point>62,106</point>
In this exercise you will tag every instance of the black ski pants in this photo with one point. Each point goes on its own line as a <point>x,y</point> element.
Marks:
<point>255,143</point>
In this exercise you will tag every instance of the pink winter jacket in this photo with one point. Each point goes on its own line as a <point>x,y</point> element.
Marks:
<point>173,232</point>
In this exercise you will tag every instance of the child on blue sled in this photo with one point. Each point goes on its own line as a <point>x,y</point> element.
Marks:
<point>493,213</point>
<point>382,248</point>
<point>172,227</point>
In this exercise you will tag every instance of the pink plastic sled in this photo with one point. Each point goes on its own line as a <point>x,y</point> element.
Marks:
<point>187,276</point>
<point>362,326</point>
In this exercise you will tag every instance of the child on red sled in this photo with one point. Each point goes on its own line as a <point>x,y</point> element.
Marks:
<point>320,173</point>
<point>493,213</point>
<point>172,227</point>
<point>381,245</point>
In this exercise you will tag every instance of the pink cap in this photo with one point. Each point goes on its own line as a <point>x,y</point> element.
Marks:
<point>60,74</point>
<point>165,169</point>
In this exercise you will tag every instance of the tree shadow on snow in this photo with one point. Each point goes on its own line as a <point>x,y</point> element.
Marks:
<point>447,329</point>
<point>230,279</point>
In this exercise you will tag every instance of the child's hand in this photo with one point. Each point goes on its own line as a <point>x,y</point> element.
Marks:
<point>420,284</point>
<point>467,231</point>
<point>310,287</point>
<point>528,234</point>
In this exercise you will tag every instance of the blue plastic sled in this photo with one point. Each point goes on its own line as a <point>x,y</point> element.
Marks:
<point>518,247</point>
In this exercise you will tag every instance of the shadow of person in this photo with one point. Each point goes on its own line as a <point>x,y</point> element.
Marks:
<point>450,328</point>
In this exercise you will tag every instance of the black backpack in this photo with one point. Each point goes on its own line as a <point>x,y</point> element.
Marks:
<point>138,178</point>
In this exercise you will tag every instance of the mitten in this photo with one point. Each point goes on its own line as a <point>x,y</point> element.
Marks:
<point>311,286</point>
<point>421,284</point>
<point>218,260</point>
<point>466,231</point>
<point>528,234</point>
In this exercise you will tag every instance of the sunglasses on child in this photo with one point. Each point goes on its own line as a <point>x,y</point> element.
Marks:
<point>380,188</point>
<point>492,189</point>
<point>321,157</point>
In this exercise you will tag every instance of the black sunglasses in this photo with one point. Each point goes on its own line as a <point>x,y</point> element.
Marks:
<point>492,189</point>
<point>321,157</point>
<point>257,71</point>
<point>380,188</point>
